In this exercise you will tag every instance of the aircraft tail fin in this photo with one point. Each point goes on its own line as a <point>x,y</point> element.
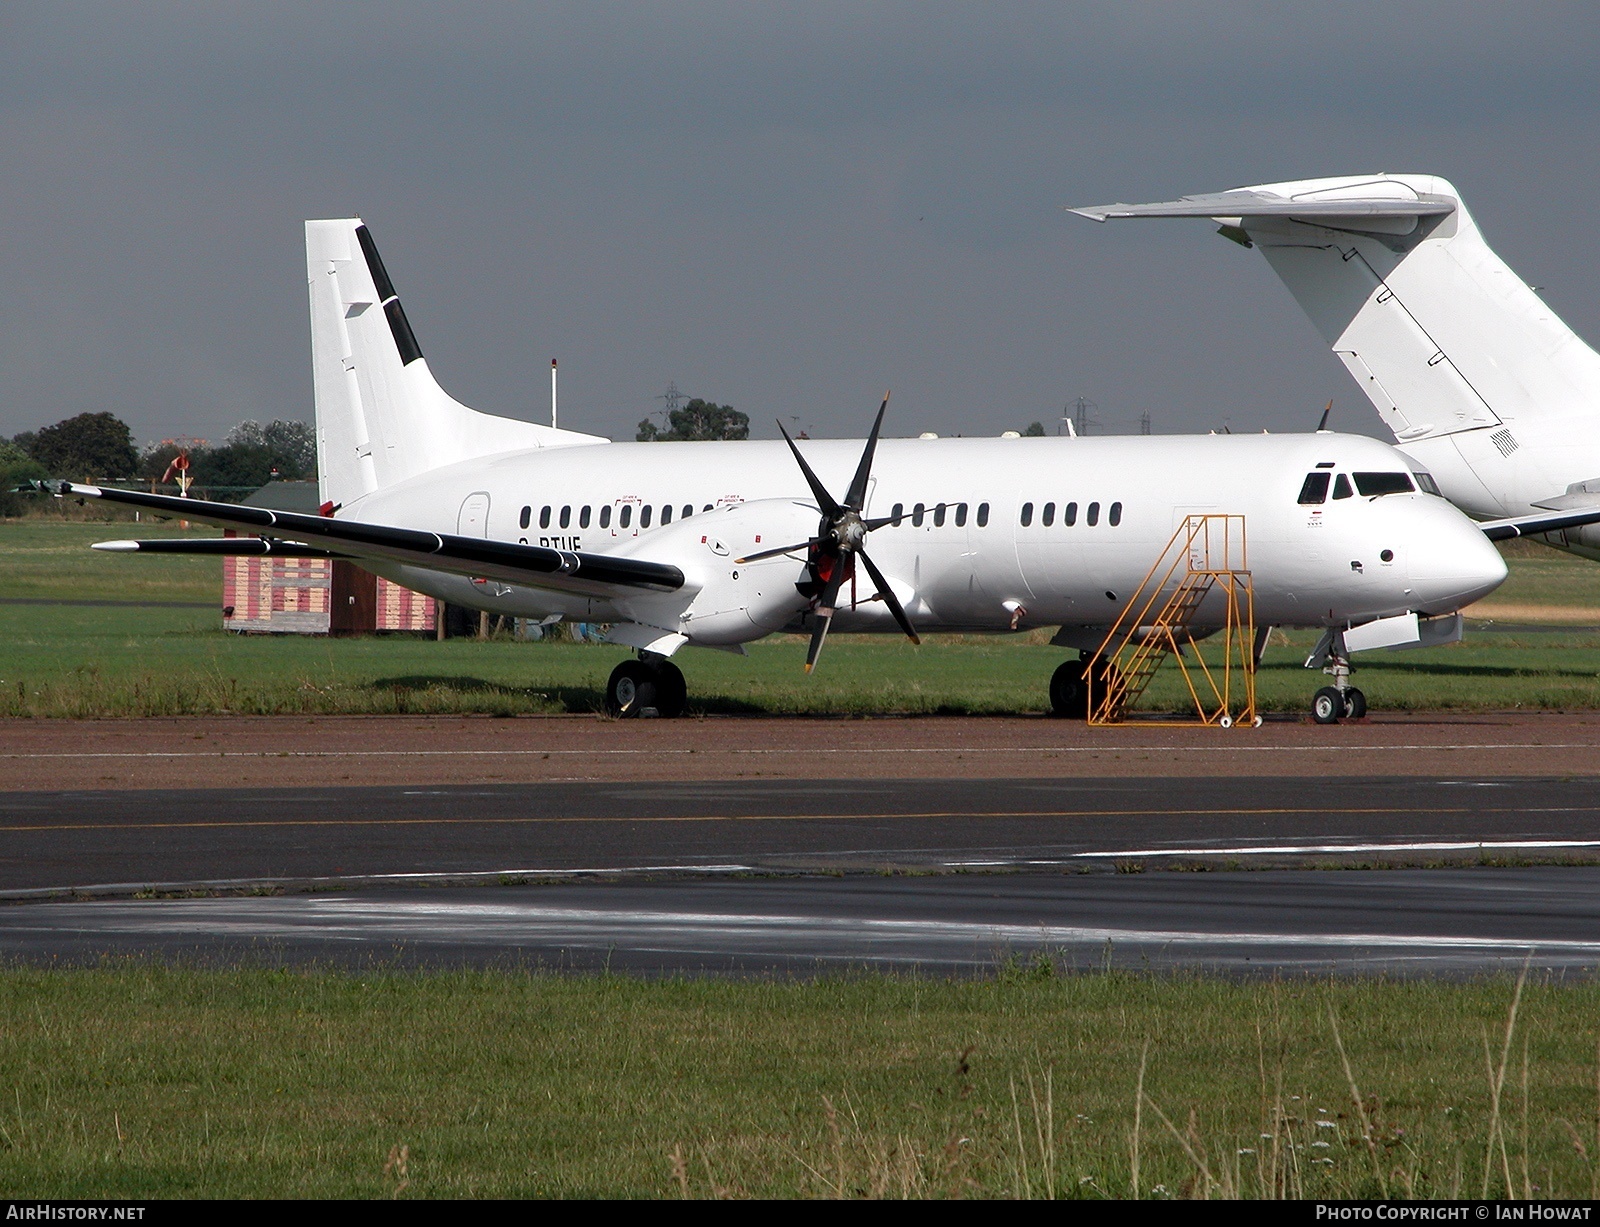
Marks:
<point>1465,363</point>
<point>381,415</point>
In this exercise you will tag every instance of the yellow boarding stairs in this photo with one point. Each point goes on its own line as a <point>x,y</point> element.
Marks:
<point>1207,554</point>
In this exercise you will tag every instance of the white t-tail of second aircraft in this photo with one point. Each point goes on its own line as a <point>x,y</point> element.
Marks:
<point>1478,379</point>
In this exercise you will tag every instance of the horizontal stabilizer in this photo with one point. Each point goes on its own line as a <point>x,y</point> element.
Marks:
<point>1268,204</point>
<point>232,547</point>
<point>530,565</point>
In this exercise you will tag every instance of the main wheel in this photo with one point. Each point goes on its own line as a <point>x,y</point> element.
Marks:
<point>631,691</point>
<point>1355,703</point>
<point>1069,696</point>
<point>1327,706</point>
<point>672,692</point>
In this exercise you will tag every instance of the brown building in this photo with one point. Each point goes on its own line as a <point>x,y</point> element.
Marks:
<point>277,594</point>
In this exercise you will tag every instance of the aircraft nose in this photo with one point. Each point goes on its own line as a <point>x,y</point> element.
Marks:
<point>1453,564</point>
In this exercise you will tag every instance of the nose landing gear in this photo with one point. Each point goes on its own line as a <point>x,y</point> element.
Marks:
<point>1340,701</point>
<point>646,687</point>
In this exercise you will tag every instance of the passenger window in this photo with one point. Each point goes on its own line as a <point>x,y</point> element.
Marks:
<point>566,517</point>
<point>544,517</point>
<point>644,516</point>
<point>666,514</point>
<point>961,515</point>
<point>897,513</point>
<point>626,517</point>
<point>1316,489</point>
<point>583,518</point>
<point>1047,517</point>
<point>916,516</point>
<point>1114,516</point>
<point>522,520</point>
<point>983,515</point>
<point>938,516</point>
<point>605,516</point>
<point>1384,483</point>
<point>1069,514</point>
<point>1027,514</point>
<point>1091,517</point>
<point>1341,487</point>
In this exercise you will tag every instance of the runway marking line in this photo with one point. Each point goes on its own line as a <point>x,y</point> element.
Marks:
<point>817,817</point>
<point>807,751</point>
<point>1290,849</point>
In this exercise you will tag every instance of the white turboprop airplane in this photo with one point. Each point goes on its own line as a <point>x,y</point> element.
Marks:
<point>718,544</point>
<point>1480,382</point>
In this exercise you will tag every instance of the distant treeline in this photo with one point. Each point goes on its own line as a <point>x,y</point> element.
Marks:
<point>99,447</point>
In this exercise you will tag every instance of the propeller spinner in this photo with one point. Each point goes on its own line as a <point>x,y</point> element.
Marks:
<point>841,539</point>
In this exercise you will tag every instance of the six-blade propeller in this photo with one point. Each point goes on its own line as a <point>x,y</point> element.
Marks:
<point>840,540</point>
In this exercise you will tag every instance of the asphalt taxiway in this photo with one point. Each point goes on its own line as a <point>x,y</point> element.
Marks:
<point>144,841</point>
<point>769,844</point>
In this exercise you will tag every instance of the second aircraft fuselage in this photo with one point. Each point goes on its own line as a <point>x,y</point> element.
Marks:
<point>1032,531</point>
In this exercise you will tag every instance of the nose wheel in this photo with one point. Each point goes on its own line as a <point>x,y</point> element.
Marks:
<point>1340,701</point>
<point>639,689</point>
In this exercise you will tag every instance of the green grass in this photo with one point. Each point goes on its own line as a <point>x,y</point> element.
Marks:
<point>65,660</point>
<point>1543,576</point>
<point>141,1081</point>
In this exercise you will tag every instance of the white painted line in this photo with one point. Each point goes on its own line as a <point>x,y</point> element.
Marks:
<point>1293,849</point>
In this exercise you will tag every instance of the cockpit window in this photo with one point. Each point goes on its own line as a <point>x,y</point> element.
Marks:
<point>1427,485</point>
<point>1384,483</point>
<point>1316,488</point>
<point>1341,487</point>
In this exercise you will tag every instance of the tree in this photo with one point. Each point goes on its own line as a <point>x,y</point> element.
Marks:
<point>1035,431</point>
<point>86,447</point>
<point>291,445</point>
<point>699,420</point>
<point>16,467</point>
<point>252,456</point>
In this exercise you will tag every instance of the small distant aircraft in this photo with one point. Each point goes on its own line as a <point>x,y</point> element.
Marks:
<point>1480,382</point>
<point>718,544</point>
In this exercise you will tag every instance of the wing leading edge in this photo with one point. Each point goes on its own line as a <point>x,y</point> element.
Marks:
<point>534,566</point>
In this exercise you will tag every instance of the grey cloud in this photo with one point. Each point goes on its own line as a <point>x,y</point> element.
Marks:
<point>785,209</point>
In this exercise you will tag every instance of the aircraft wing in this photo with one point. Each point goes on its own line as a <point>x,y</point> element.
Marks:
<point>534,566</point>
<point>1547,522</point>
<point>1269,204</point>
<point>218,547</point>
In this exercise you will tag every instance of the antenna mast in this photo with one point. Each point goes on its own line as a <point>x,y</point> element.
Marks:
<point>553,425</point>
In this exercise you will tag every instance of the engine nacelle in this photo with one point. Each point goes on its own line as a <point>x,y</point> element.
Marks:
<point>737,602</point>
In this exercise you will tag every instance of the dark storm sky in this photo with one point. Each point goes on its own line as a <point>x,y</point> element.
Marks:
<point>785,207</point>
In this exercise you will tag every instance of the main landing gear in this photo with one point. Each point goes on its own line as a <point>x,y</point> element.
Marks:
<point>1069,686</point>
<point>647,687</point>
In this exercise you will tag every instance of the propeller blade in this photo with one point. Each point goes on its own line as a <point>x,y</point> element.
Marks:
<point>889,598</point>
<point>782,549</point>
<point>826,603</point>
<point>830,508</point>
<point>856,496</point>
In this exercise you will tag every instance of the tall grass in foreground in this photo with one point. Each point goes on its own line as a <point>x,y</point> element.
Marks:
<point>138,1080</point>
